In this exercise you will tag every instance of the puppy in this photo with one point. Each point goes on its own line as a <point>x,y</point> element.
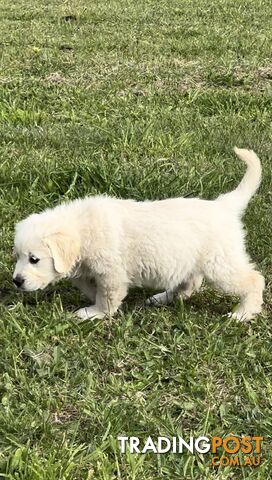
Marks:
<point>106,245</point>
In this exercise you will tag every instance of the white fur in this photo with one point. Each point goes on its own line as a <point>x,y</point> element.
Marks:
<point>107,245</point>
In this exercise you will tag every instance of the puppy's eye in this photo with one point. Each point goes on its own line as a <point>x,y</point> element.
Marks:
<point>33,259</point>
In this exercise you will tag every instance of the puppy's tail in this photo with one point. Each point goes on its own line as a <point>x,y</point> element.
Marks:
<point>239,198</point>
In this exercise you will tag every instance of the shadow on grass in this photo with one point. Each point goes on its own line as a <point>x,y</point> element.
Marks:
<point>206,302</point>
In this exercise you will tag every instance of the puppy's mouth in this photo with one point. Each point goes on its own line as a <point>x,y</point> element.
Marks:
<point>26,288</point>
<point>29,288</point>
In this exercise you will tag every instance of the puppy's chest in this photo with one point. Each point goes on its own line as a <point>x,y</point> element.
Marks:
<point>92,267</point>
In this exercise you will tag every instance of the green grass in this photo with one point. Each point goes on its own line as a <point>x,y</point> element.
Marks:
<point>145,100</point>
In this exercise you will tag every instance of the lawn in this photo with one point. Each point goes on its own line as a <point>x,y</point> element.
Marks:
<point>139,99</point>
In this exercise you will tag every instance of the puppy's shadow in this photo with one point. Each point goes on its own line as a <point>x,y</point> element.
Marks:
<point>70,296</point>
<point>9,294</point>
<point>203,302</point>
<point>210,302</point>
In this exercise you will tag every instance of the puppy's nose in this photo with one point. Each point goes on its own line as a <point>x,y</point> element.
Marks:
<point>18,280</point>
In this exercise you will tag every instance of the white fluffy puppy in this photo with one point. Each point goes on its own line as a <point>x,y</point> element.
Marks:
<point>107,245</point>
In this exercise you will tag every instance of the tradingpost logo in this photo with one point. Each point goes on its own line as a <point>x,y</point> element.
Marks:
<point>226,451</point>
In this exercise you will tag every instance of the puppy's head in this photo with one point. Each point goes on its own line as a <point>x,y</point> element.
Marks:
<point>46,251</point>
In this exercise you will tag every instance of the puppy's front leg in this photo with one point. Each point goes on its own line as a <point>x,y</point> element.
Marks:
<point>109,296</point>
<point>86,286</point>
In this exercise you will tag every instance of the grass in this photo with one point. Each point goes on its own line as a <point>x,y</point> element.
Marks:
<point>145,100</point>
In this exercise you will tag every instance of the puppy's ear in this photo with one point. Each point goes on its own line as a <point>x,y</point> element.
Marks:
<point>64,251</point>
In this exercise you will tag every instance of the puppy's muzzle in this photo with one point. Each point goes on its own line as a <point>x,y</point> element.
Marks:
<point>18,281</point>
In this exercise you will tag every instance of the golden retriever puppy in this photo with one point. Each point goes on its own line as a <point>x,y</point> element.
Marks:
<point>106,245</point>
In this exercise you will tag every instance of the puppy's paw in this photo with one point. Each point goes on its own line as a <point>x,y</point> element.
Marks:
<point>159,299</point>
<point>89,312</point>
<point>241,315</point>
<point>163,298</point>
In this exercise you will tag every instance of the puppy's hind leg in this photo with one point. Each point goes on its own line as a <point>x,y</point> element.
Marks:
<point>184,290</point>
<point>163,298</point>
<point>242,280</point>
<point>192,285</point>
<point>249,286</point>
